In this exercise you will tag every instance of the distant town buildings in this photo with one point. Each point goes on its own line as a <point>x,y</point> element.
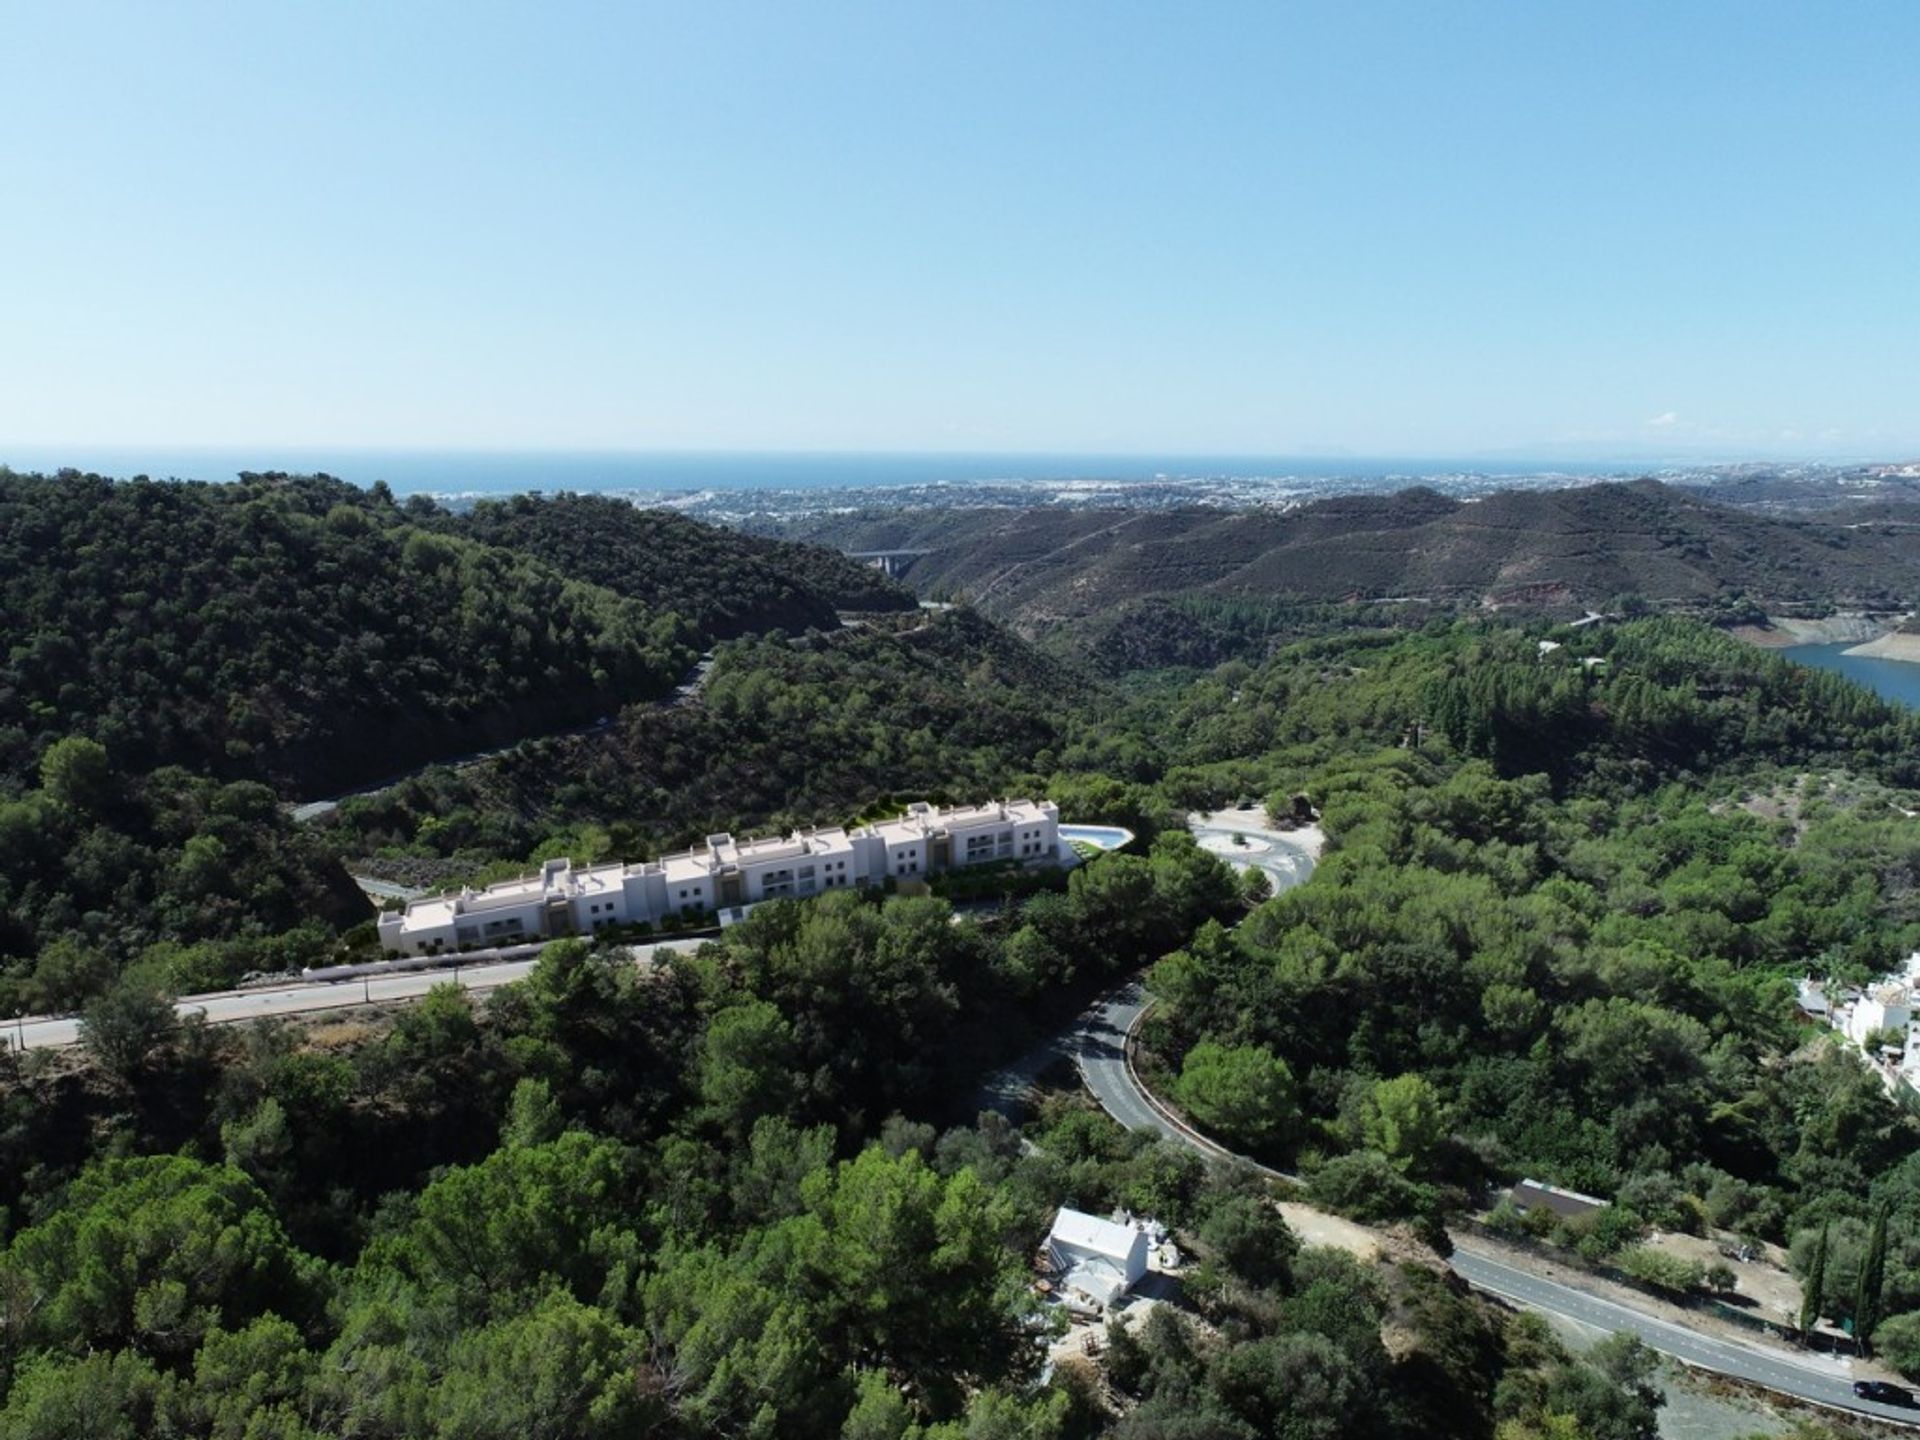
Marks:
<point>725,873</point>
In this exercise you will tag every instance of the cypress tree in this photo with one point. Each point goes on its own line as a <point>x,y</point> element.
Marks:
<point>1873,1275</point>
<point>1816,1282</point>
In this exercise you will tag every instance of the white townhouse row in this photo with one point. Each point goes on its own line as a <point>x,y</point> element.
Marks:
<point>724,873</point>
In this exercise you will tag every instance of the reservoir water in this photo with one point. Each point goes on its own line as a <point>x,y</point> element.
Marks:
<point>1895,680</point>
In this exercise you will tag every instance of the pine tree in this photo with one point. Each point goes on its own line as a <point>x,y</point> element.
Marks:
<point>1873,1274</point>
<point>1816,1282</point>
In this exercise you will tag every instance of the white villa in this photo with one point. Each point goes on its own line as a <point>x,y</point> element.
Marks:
<point>1887,1006</point>
<point>1097,1260</point>
<point>725,873</point>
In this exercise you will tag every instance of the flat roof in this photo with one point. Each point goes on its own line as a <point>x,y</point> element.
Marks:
<point>1529,1193</point>
<point>423,914</point>
<point>689,865</point>
<point>1090,1232</point>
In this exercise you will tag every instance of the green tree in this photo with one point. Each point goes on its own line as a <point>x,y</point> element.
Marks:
<point>68,974</point>
<point>1897,1339</point>
<point>1293,1387</point>
<point>261,1144</point>
<point>1814,1285</point>
<point>127,1026</point>
<point>100,1395</point>
<point>1869,1294</point>
<point>527,1217</point>
<point>1244,1094</point>
<point>155,1252</point>
<point>1673,1273</point>
<point>914,1269</point>
<point>744,1062</point>
<point>563,1371</point>
<point>1405,1121</point>
<point>1249,1237</point>
<point>252,1382</point>
<point>533,1116</point>
<point>880,1411</point>
<point>76,773</point>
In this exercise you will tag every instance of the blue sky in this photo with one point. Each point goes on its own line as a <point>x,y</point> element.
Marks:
<point>1274,228</point>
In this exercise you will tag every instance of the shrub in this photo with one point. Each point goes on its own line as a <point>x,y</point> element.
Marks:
<point>1659,1270</point>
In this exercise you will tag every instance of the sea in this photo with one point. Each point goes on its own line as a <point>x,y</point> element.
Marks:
<point>472,474</point>
<point>1895,680</point>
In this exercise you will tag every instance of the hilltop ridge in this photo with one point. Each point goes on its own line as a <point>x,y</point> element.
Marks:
<point>1556,551</point>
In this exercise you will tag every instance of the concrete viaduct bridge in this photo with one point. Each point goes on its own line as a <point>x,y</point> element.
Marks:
<point>894,562</point>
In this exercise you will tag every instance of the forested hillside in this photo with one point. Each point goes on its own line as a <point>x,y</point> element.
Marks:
<point>1555,935</point>
<point>700,1203</point>
<point>1536,551</point>
<point>169,647</point>
<point>788,731</point>
<point>313,635</point>
<point>183,880</point>
<point>725,583</point>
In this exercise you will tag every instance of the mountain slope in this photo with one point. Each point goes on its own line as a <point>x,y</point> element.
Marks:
<point>1558,550</point>
<point>308,633</point>
<point>724,582</point>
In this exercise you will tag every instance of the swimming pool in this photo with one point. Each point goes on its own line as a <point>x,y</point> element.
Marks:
<point>1103,837</point>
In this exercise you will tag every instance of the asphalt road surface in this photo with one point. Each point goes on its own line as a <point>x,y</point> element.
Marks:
<point>1100,1051</point>
<point>1816,1378</point>
<point>303,998</point>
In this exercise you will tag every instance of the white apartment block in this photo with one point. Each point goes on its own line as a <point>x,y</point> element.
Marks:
<point>723,873</point>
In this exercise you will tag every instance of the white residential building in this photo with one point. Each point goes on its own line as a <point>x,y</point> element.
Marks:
<point>1884,1007</point>
<point>1097,1260</point>
<point>725,873</point>
<point>1887,1006</point>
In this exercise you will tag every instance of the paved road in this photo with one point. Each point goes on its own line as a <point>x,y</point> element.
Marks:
<point>237,1006</point>
<point>1287,861</point>
<point>1100,1051</point>
<point>1095,1043</point>
<point>1822,1379</point>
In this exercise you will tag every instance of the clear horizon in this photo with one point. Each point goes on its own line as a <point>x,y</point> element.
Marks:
<point>1646,233</point>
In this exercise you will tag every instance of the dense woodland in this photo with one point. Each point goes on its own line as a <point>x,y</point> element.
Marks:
<point>1555,933</point>
<point>750,1193</point>
<point>184,881</point>
<point>305,632</point>
<point>688,1204</point>
<point>789,730</point>
<point>725,583</point>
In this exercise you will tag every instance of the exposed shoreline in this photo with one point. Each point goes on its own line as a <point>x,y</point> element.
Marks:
<point>1780,632</point>
<point>1894,646</point>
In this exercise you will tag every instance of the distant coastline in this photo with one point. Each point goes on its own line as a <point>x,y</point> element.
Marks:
<point>474,474</point>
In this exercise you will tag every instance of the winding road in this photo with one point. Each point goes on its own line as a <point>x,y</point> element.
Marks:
<point>1097,1044</point>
